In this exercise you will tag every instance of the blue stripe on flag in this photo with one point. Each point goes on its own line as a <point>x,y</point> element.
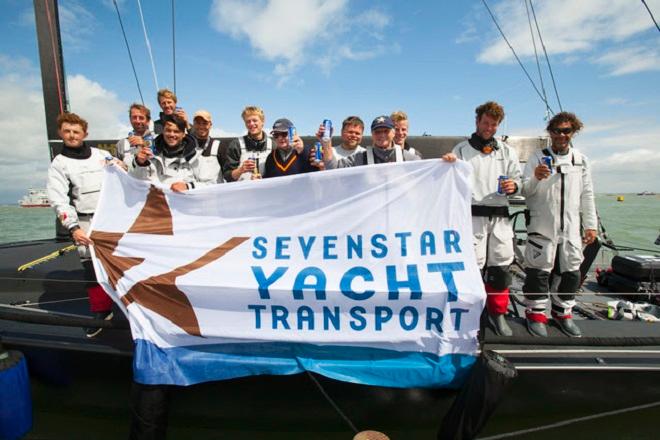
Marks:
<point>369,366</point>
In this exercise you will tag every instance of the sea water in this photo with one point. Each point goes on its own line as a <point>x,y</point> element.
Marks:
<point>634,222</point>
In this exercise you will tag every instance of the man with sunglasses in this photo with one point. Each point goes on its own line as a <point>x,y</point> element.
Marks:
<point>560,199</point>
<point>289,156</point>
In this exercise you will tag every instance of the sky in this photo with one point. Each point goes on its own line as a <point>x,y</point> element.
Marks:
<point>309,60</point>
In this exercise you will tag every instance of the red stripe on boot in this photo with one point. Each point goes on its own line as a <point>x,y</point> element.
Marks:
<point>537,317</point>
<point>99,301</point>
<point>556,316</point>
<point>497,301</point>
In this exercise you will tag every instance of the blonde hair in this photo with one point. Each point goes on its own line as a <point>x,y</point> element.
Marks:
<point>398,116</point>
<point>166,93</point>
<point>253,110</point>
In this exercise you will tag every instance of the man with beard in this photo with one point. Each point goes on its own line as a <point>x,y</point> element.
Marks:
<point>175,161</point>
<point>496,175</point>
<point>560,199</point>
<point>201,131</point>
<point>139,116</point>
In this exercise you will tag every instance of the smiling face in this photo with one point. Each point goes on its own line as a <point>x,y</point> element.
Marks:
<point>561,135</point>
<point>487,126</point>
<point>400,132</point>
<point>281,140</point>
<point>382,137</point>
<point>351,136</point>
<point>172,134</point>
<point>73,135</point>
<point>168,105</point>
<point>254,125</point>
<point>139,121</point>
<point>201,127</point>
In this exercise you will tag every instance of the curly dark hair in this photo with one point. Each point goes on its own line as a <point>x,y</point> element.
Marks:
<point>562,117</point>
<point>492,109</point>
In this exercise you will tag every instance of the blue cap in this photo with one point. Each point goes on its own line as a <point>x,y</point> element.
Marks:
<point>383,121</point>
<point>281,126</point>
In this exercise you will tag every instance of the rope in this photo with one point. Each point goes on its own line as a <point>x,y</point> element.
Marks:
<point>130,57</point>
<point>538,65</point>
<point>651,14</point>
<point>332,402</point>
<point>545,52</point>
<point>515,54</point>
<point>55,63</point>
<point>146,39</point>
<point>571,421</point>
<point>173,47</point>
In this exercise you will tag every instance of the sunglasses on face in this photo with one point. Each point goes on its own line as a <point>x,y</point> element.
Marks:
<point>562,130</point>
<point>280,134</point>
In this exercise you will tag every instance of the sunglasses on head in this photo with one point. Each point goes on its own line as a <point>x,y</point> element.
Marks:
<point>562,130</point>
<point>278,134</point>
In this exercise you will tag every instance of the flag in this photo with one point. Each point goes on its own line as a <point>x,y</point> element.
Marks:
<point>365,275</point>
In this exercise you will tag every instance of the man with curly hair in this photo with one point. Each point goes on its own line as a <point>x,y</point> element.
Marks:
<point>560,199</point>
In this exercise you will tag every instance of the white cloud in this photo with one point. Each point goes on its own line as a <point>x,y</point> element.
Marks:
<point>627,60</point>
<point>293,33</point>
<point>574,27</point>
<point>24,156</point>
<point>77,25</point>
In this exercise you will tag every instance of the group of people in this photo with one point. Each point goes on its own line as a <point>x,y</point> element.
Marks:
<point>556,184</point>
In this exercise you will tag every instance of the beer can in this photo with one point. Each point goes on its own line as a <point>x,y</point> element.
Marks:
<point>318,153</point>
<point>501,179</point>
<point>292,133</point>
<point>149,142</point>
<point>547,161</point>
<point>327,129</point>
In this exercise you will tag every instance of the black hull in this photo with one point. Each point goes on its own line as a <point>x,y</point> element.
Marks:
<point>81,384</point>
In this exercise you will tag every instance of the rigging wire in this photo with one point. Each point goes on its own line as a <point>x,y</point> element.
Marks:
<point>515,54</point>
<point>545,52</point>
<point>123,32</point>
<point>173,48</point>
<point>146,39</point>
<point>651,14</point>
<point>538,64</point>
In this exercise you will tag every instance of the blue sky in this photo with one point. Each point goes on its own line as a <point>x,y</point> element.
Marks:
<point>312,59</point>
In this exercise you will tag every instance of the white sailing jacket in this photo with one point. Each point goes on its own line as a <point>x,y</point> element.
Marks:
<point>79,178</point>
<point>557,203</point>
<point>502,161</point>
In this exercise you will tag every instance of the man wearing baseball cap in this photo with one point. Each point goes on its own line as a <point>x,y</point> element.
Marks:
<point>287,158</point>
<point>383,150</point>
<point>201,131</point>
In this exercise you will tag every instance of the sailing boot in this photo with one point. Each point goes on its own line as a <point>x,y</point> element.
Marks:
<point>497,303</point>
<point>499,324</point>
<point>101,305</point>
<point>536,324</point>
<point>567,325</point>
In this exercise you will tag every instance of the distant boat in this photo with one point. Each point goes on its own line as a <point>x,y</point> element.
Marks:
<point>646,193</point>
<point>619,198</point>
<point>35,198</point>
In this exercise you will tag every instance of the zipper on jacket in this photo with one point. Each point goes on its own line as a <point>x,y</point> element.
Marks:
<point>562,203</point>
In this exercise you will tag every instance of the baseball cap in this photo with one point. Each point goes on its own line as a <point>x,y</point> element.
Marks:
<point>202,114</point>
<point>281,125</point>
<point>382,121</point>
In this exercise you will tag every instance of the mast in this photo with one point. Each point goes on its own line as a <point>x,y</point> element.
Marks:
<point>52,68</point>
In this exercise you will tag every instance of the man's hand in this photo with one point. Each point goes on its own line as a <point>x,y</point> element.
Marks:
<point>181,113</point>
<point>143,156</point>
<point>541,172</point>
<point>298,144</point>
<point>589,236</point>
<point>508,186</point>
<point>179,187</point>
<point>80,238</point>
<point>136,141</point>
<point>449,157</point>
